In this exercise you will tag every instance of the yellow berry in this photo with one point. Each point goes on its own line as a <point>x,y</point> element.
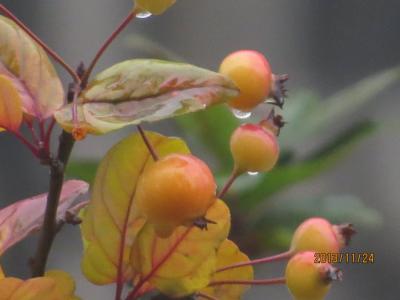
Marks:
<point>251,73</point>
<point>307,280</point>
<point>254,149</point>
<point>175,190</point>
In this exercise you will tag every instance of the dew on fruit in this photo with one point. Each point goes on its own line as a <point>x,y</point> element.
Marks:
<point>252,173</point>
<point>143,14</point>
<point>241,114</point>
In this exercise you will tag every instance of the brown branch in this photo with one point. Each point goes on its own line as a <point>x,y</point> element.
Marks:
<point>50,227</point>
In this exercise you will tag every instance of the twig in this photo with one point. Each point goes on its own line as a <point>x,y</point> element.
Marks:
<point>105,45</point>
<point>263,260</point>
<point>250,282</point>
<point>235,174</point>
<point>50,51</point>
<point>205,296</point>
<point>148,144</point>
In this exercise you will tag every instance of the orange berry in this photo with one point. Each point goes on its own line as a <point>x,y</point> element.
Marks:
<point>251,73</point>
<point>307,280</point>
<point>319,235</point>
<point>175,190</point>
<point>254,149</point>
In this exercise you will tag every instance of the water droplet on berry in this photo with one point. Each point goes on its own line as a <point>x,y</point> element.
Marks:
<point>143,14</point>
<point>241,114</point>
<point>252,173</point>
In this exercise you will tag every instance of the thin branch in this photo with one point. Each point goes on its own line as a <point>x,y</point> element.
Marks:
<point>51,52</point>
<point>148,144</point>
<point>235,174</point>
<point>48,134</point>
<point>133,295</point>
<point>272,281</point>
<point>28,144</point>
<point>33,132</point>
<point>105,45</point>
<point>263,260</point>
<point>205,296</point>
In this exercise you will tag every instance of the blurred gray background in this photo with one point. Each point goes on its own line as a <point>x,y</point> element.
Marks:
<point>323,45</point>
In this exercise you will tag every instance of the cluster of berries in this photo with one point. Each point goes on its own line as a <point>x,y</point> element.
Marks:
<point>179,189</point>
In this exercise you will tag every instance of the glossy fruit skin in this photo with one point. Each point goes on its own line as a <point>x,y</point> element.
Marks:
<point>315,234</point>
<point>251,73</point>
<point>175,190</point>
<point>254,149</point>
<point>305,279</point>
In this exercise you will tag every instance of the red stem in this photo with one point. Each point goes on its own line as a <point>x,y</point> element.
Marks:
<point>133,295</point>
<point>48,135</point>
<point>205,296</point>
<point>263,260</point>
<point>272,281</point>
<point>33,132</point>
<point>148,144</point>
<point>31,147</point>
<point>42,131</point>
<point>235,174</point>
<point>105,45</point>
<point>51,52</point>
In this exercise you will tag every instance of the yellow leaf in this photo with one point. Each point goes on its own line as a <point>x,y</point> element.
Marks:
<point>111,221</point>
<point>184,262</point>
<point>156,7</point>
<point>22,59</point>
<point>56,285</point>
<point>228,254</point>
<point>1,273</point>
<point>10,105</point>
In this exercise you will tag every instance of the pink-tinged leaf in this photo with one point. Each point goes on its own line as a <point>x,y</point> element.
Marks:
<point>26,216</point>
<point>22,59</point>
<point>145,90</point>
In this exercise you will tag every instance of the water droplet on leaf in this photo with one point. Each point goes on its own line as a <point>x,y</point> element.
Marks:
<point>241,114</point>
<point>143,14</point>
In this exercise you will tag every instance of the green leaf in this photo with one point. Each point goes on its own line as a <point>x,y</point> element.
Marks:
<point>83,169</point>
<point>327,113</point>
<point>212,127</point>
<point>145,90</point>
<point>325,158</point>
<point>24,62</point>
<point>283,217</point>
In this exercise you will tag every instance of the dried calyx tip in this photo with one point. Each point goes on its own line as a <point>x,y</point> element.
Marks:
<point>279,91</point>
<point>203,222</point>
<point>345,233</point>
<point>274,122</point>
<point>332,274</point>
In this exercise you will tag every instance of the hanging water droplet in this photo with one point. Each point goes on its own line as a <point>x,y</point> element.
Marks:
<point>143,14</point>
<point>252,173</point>
<point>241,114</point>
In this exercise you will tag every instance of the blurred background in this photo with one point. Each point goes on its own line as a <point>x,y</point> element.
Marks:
<point>339,150</point>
